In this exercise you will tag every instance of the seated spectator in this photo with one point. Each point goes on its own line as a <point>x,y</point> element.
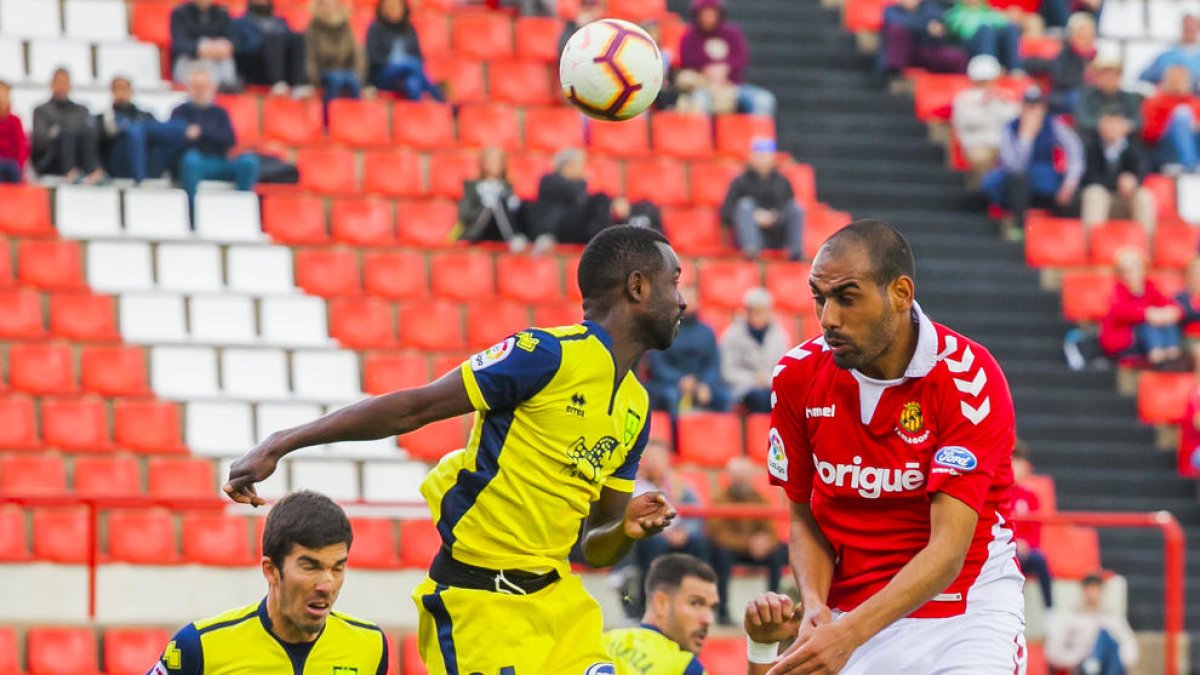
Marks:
<point>744,541</point>
<point>1189,303</point>
<point>1067,70</point>
<point>589,11</point>
<point>1030,173</point>
<point>750,349</point>
<point>985,30</point>
<point>1116,167</point>
<point>1105,94</point>
<point>979,115</point>
<point>1141,322</point>
<point>134,144</point>
<point>1170,120</point>
<point>333,59</point>
<point>210,137</point>
<point>1186,53</point>
<point>687,376</point>
<point>1090,640</point>
<point>761,206</point>
<point>668,95</point>
<point>14,146</point>
<point>915,37</point>
<point>1188,452</point>
<point>713,56</point>
<point>202,36</point>
<point>488,210</point>
<point>269,52</point>
<point>64,138</point>
<point>1028,534</point>
<point>565,211</point>
<point>394,60</point>
<point>642,213</point>
<point>1058,12</point>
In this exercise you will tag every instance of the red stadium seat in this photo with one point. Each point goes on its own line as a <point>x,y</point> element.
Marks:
<point>61,651</point>
<point>604,174</point>
<point>693,231</point>
<point>362,323</point>
<point>710,181</point>
<point>26,210</point>
<point>393,174</point>
<point>411,657</point>
<point>934,93</point>
<point>525,173</point>
<point>1073,552</point>
<point>529,279</point>
<point>75,424</point>
<point>327,170</point>
<point>1110,237</point>
<point>522,82</point>
<point>128,650</point>
<point>820,223</point>
<point>419,542</point>
<point>374,544</point>
<point>13,548</point>
<point>445,363</point>
<point>660,428</point>
<point>552,129</point>
<point>804,183</point>
<point>53,264</point>
<point>181,477</point>
<point>1169,282</point>
<point>151,22</point>
<point>6,264</point>
<point>630,138</point>
<point>659,180</point>
<point>1086,296</point>
<point>142,536</point>
<point>709,439</point>
<point>1040,47</point>
<point>395,274</point>
<point>636,11</point>
<point>489,320</point>
<point>83,317</point>
<point>724,654</point>
<point>292,121</point>
<point>32,474</point>
<point>41,368</point>
<point>359,123</point>
<point>549,315</point>
<point>735,133</point>
<point>422,124</point>
<point>426,224</point>
<point>107,476</point>
<point>1175,245</point>
<point>462,78</point>
<point>487,124</point>
<point>10,654</point>
<point>114,371</point>
<point>21,314</point>
<point>1162,397</point>
<point>482,35</point>
<point>1043,487</point>
<point>433,29</point>
<point>431,325</point>
<point>788,283</point>
<point>449,170</point>
<point>244,114</point>
<point>537,38</point>
<point>1037,659</point>
<point>682,135</point>
<point>363,222</point>
<point>294,219</point>
<point>571,276</point>
<point>1163,189</point>
<point>386,372</point>
<point>432,441</point>
<point>724,284</point>
<point>215,538</point>
<point>147,426</point>
<point>1055,242</point>
<point>463,276</point>
<point>18,423</point>
<point>327,272</point>
<point>758,426</point>
<point>60,534</point>
<point>700,483</point>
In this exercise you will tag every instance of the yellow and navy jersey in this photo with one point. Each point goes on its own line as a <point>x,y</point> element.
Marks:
<point>644,650</point>
<point>240,641</point>
<point>554,426</point>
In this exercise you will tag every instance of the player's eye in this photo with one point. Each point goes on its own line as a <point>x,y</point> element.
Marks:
<point>820,300</point>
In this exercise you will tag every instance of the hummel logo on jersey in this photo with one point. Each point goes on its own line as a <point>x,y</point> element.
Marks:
<point>826,411</point>
<point>871,481</point>
<point>575,407</point>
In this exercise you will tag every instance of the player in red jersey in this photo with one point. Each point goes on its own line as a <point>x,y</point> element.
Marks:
<point>892,436</point>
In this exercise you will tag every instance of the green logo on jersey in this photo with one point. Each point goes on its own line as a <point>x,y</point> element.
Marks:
<point>633,424</point>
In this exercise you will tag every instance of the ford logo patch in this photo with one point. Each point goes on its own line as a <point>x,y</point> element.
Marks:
<point>955,457</point>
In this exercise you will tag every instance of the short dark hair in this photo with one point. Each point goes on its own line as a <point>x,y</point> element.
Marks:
<point>616,253</point>
<point>891,256</point>
<point>1093,579</point>
<point>668,572</point>
<point>307,519</point>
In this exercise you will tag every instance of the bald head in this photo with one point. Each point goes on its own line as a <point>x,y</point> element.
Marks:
<point>887,251</point>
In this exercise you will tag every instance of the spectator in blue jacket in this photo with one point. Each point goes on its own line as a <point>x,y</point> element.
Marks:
<point>688,375</point>
<point>269,52</point>
<point>133,143</point>
<point>1186,53</point>
<point>915,37</point>
<point>203,35</point>
<point>394,60</point>
<point>210,137</point>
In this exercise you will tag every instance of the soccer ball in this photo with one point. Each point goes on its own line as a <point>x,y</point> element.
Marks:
<point>611,70</point>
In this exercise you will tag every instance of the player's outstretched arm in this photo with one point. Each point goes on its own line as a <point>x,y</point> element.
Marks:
<point>378,417</point>
<point>616,521</point>
<point>770,618</point>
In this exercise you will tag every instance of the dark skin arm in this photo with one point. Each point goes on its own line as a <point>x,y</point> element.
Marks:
<point>616,521</point>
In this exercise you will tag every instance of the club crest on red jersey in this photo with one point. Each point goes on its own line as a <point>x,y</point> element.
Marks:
<point>910,424</point>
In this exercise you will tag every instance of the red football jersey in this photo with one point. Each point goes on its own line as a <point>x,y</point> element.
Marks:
<point>867,455</point>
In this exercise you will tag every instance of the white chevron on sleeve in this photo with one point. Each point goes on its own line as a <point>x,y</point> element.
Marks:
<point>951,347</point>
<point>977,415</point>
<point>973,386</point>
<point>798,353</point>
<point>964,364</point>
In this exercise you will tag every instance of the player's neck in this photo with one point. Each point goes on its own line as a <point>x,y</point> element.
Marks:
<point>282,628</point>
<point>893,363</point>
<point>626,347</point>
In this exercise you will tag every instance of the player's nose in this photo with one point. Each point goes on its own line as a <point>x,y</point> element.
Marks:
<point>829,316</point>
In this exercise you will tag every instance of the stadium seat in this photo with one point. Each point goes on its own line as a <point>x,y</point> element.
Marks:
<point>933,94</point>
<point>228,216</point>
<point>83,317</point>
<point>537,38</point>
<point>18,423</point>
<point>1162,397</point>
<point>271,417</point>
<point>521,82</point>
<point>153,318</point>
<point>630,138</point>
<point>374,543</point>
<point>51,264</point>
<point>30,18</point>
<point>59,651</point>
<point>292,121</point>
<point>658,180</point>
<point>44,368</point>
<point>294,321</point>
<point>1175,245</point>
<point>359,123</point>
<point>60,534</point>
<point>736,133</point>
<point>1043,487</point>
<point>1110,237</point>
<point>724,654</point>
<point>788,283</point>
<point>484,125</point>
<point>254,374</point>
<point>463,276</point>
<point>392,481</point>
<point>552,129</point>
<point>183,372</point>
<point>398,275</point>
<point>431,325</point>
<point>21,314</point>
<point>448,170</point>
<point>226,319</point>
<point>32,474</point>
<point>699,481</point>
<point>128,650</point>
<point>758,426</point>
<point>13,548</point>
<point>387,372</point>
<point>327,272</point>
<point>363,222</point>
<point>681,135</point>
<point>804,184</point>
<point>327,376</point>
<point>549,315</point>
<point>426,224</point>
<point>693,231</point>
<point>188,267</point>
<point>294,219</point>
<point>862,16</point>
<point>337,479</point>
<point>1055,242</point>
<point>260,270</point>
<point>661,428</point>
<point>114,371</point>
<point>215,538</point>
<point>525,174</point>
<point>462,78</point>
<point>140,62</point>
<point>489,320</point>
<point>107,476</point>
<point>142,536</point>
<point>530,280</point>
<point>46,55</point>
<point>724,284</point>
<point>1073,552</point>
<point>1163,189</point>
<point>1086,296</point>
<point>244,114</point>
<point>432,441</point>
<point>27,211</point>
<point>637,11</point>
<point>604,174</point>
<point>709,439</point>
<point>411,657</point>
<point>146,426</point>
<point>82,211</point>
<point>434,31</point>
<point>392,174</point>
<point>12,59</point>
<point>422,124</point>
<point>419,542</point>
<point>362,323</point>
<point>327,170</point>
<point>710,181</point>
<point>6,264</point>
<point>151,22</point>
<point>96,20</point>
<point>482,35</point>
<point>119,266</point>
<point>75,424</point>
<point>820,223</point>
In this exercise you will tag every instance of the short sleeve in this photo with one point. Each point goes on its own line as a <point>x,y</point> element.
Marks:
<point>182,655</point>
<point>622,478</point>
<point>694,667</point>
<point>383,656</point>
<point>789,460</point>
<point>512,371</point>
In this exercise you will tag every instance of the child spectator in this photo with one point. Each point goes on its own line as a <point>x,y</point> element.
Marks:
<point>268,51</point>
<point>914,36</point>
<point>1186,53</point>
<point>761,206</point>
<point>202,35</point>
<point>565,211</point>
<point>133,143</point>
<point>14,146</point>
<point>687,376</point>
<point>713,56</point>
<point>1170,120</point>
<point>1090,639</point>
<point>750,349</point>
<point>1141,321</point>
<point>1105,94</point>
<point>210,137</point>
<point>488,210</point>
<point>985,30</point>
<point>979,115</point>
<point>1116,167</point>
<point>1028,534</point>
<point>64,138</point>
<point>394,55</point>
<point>1067,70</point>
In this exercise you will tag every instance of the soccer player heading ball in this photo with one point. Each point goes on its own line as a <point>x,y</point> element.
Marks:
<point>892,436</point>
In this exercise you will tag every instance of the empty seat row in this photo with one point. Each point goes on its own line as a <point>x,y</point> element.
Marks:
<point>86,19</point>
<point>82,424</point>
<point>35,61</point>
<point>126,651</point>
<point>156,214</point>
<point>130,267</point>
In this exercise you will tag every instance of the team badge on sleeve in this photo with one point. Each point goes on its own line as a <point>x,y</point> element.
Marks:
<point>777,462</point>
<point>493,355</point>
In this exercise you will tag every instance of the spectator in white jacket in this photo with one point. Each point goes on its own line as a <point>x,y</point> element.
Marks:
<point>750,348</point>
<point>1090,640</point>
<point>979,114</point>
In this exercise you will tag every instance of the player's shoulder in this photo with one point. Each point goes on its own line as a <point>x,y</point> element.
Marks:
<point>356,624</point>
<point>969,379</point>
<point>226,619</point>
<point>958,355</point>
<point>805,357</point>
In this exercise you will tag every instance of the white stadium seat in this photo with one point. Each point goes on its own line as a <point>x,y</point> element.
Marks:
<point>24,100</point>
<point>255,374</point>
<point>1166,17</point>
<point>30,18</point>
<point>294,321</point>
<point>274,487</point>
<point>1138,55</point>
<point>159,103</point>
<point>228,216</point>
<point>260,270</point>
<point>183,372</point>
<point>325,375</point>
<point>1189,197</point>
<point>338,480</point>
<point>222,319</point>
<point>393,481</point>
<point>137,61</point>
<point>221,429</point>
<point>378,448</point>
<point>47,55</point>
<point>1123,19</point>
<point>12,60</point>
<point>156,214</point>
<point>96,19</point>
<point>87,212</point>
<point>189,267</point>
<point>152,318</point>
<point>119,266</point>
<point>272,417</point>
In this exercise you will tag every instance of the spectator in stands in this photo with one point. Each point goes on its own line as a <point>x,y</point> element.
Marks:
<point>210,137</point>
<point>589,11</point>
<point>268,51</point>
<point>750,348</point>
<point>1142,322</point>
<point>688,375</point>
<point>642,213</point>
<point>979,115</point>
<point>394,59</point>
<point>334,60</point>
<point>914,36</point>
<point>1058,12</point>
<point>1189,304</point>
<point>985,30</point>
<point>713,56</point>
<point>668,94</point>
<point>1188,452</point>
<point>1028,534</point>
<point>1090,640</point>
<point>1105,94</point>
<point>1186,53</point>
<point>133,143</point>
<point>14,146</point>
<point>64,137</point>
<point>203,35</point>
<point>761,206</point>
<point>1067,70</point>
<point>1029,173</point>
<point>1170,120</point>
<point>488,210</point>
<point>744,541</point>
<point>565,211</point>
<point>1116,167</point>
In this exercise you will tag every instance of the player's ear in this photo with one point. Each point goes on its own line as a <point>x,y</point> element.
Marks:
<point>901,293</point>
<point>269,570</point>
<point>637,286</point>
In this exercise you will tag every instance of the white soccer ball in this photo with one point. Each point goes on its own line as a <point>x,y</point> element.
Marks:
<point>611,70</point>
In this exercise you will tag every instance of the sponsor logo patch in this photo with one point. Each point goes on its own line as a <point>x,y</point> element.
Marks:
<point>956,459</point>
<point>777,462</point>
<point>601,669</point>
<point>493,355</point>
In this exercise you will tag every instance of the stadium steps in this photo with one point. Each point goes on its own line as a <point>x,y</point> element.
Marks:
<point>873,160</point>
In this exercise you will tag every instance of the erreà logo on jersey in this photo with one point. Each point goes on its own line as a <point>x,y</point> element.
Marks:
<point>870,481</point>
<point>954,459</point>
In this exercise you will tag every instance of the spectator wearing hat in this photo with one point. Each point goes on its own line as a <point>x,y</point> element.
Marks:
<point>1105,93</point>
<point>1116,167</point>
<point>1089,638</point>
<point>750,348</point>
<point>14,146</point>
<point>761,206</point>
<point>914,36</point>
<point>979,114</point>
<point>983,29</point>
<point>1170,120</point>
<point>1186,53</point>
<point>1067,70</point>
<point>713,56</point>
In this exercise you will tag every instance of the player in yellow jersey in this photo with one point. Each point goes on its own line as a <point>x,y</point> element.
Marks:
<point>560,423</point>
<point>294,630</point>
